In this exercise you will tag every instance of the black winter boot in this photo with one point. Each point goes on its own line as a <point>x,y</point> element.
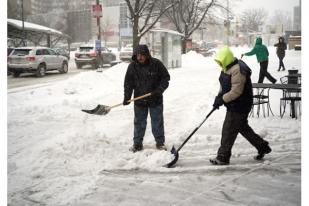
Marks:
<point>161,147</point>
<point>136,148</point>
<point>216,161</point>
<point>265,149</point>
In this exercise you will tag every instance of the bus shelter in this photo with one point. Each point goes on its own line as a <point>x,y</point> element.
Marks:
<point>33,34</point>
<point>166,45</point>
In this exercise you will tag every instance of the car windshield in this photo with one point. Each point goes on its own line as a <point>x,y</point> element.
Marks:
<point>21,52</point>
<point>85,49</point>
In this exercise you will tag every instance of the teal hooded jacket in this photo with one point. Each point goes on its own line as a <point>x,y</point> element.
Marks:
<point>259,50</point>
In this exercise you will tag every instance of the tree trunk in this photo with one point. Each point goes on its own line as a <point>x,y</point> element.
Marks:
<point>136,37</point>
<point>184,40</point>
<point>183,46</point>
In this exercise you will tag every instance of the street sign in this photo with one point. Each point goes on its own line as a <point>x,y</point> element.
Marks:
<point>97,10</point>
<point>97,45</point>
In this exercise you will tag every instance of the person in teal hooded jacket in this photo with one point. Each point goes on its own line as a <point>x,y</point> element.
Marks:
<point>261,52</point>
<point>236,95</point>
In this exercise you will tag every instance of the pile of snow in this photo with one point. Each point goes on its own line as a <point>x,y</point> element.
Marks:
<point>58,155</point>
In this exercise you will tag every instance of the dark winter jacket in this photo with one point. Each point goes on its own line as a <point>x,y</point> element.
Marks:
<point>235,81</point>
<point>144,78</point>
<point>281,47</point>
<point>260,50</point>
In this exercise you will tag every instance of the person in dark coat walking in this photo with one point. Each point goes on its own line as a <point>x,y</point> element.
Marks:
<point>261,52</point>
<point>146,74</point>
<point>236,94</point>
<point>281,47</point>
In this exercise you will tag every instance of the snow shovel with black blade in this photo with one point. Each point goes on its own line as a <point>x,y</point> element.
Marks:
<point>103,109</point>
<point>176,152</point>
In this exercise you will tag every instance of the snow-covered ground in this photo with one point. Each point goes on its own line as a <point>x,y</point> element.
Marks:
<point>58,155</point>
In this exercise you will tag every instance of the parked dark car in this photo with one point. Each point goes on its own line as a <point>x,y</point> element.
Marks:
<point>87,55</point>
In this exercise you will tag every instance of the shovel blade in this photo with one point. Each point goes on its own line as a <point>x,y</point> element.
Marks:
<point>99,110</point>
<point>173,162</point>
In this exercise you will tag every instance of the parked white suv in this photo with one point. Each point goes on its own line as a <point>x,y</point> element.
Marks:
<point>126,54</point>
<point>36,60</point>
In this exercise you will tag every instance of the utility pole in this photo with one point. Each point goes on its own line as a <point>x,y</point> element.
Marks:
<point>98,15</point>
<point>98,23</point>
<point>23,23</point>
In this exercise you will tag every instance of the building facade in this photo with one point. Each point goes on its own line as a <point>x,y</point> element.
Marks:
<point>297,17</point>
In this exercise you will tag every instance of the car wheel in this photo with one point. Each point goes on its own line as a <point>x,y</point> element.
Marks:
<point>16,74</point>
<point>41,71</point>
<point>64,68</point>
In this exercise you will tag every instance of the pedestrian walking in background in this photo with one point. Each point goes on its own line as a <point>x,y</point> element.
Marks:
<point>281,47</point>
<point>236,94</point>
<point>146,74</point>
<point>261,52</point>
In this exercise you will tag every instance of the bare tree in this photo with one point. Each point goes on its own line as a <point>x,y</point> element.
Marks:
<point>252,19</point>
<point>144,14</point>
<point>188,15</point>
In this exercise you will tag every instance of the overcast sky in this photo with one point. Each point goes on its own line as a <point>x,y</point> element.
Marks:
<point>269,5</point>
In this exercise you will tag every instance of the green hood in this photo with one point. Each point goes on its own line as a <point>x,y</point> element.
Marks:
<point>259,50</point>
<point>258,41</point>
<point>224,57</point>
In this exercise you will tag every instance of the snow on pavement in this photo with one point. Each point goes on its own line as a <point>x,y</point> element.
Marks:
<point>58,155</point>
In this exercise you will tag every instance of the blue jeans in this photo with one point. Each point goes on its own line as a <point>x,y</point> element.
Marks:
<point>140,123</point>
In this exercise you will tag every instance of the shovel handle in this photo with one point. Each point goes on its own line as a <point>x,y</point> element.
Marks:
<point>140,97</point>
<point>132,100</point>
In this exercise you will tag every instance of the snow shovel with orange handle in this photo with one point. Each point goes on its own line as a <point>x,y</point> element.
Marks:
<point>103,109</point>
<point>176,152</point>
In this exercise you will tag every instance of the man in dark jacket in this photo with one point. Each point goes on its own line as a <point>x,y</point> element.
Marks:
<point>261,52</point>
<point>236,94</point>
<point>146,74</point>
<point>281,47</point>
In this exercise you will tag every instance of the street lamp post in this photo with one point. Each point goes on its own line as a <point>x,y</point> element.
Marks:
<point>98,23</point>
<point>99,35</point>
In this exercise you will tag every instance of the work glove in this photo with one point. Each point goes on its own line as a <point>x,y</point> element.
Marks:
<point>126,101</point>
<point>218,102</point>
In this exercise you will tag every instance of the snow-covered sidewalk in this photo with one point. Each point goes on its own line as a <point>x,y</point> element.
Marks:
<point>58,155</point>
